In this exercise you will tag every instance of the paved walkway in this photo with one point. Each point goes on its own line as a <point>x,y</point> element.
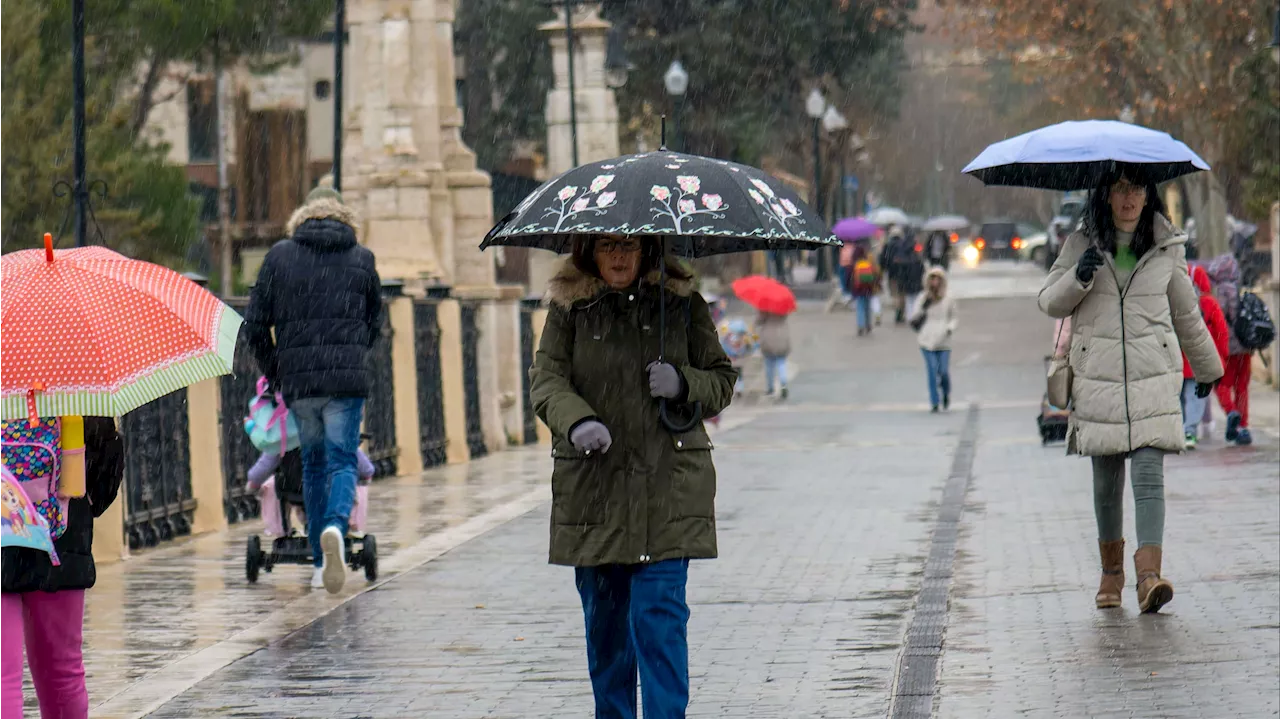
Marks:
<point>828,510</point>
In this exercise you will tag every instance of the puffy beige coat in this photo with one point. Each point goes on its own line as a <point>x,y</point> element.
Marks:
<point>939,318</point>
<point>1127,345</point>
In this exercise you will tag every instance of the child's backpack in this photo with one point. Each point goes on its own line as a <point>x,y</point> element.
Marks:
<point>1253,326</point>
<point>865,274</point>
<point>32,453</point>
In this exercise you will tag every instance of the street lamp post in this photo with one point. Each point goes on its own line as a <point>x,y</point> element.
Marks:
<point>339,31</point>
<point>79,191</point>
<point>676,81</point>
<point>814,106</point>
<point>835,124</point>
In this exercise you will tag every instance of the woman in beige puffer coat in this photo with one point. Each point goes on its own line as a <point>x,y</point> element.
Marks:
<point>1123,281</point>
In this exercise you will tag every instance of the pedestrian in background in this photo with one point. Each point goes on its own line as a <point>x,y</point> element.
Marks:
<point>1233,391</point>
<point>934,319</point>
<point>866,283</point>
<point>44,604</point>
<point>911,269</point>
<point>631,503</point>
<point>1192,404</point>
<point>320,292</point>
<point>1123,280</point>
<point>937,250</point>
<point>892,261</point>
<point>775,345</point>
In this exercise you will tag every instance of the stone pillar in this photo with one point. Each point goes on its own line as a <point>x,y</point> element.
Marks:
<point>489,364</point>
<point>511,367</point>
<point>597,109</point>
<point>449,318</point>
<point>108,533</point>
<point>404,372</point>
<point>205,440</point>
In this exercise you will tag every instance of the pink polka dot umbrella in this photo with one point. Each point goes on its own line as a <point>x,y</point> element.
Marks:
<point>91,332</point>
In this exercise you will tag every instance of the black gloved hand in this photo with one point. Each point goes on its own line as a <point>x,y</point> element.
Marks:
<point>1088,263</point>
<point>1204,389</point>
<point>591,436</point>
<point>664,380</point>
<point>928,302</point>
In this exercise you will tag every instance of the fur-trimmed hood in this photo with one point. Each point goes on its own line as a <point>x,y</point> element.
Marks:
<point>320,209</point>
<point>571,285</point>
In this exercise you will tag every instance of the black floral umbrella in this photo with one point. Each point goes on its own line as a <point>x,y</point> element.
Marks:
<point>701,206</point>
<point>697,205</point>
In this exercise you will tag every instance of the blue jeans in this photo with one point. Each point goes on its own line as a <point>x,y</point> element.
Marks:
<point>863,305</point>
<point>937,363</point>
<point>775,367</point>
<point>636,615</point>
<point>1192,407</point>
<point>329,428</point>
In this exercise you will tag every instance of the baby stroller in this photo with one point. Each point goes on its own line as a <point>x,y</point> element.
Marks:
<point>1052,421</point>
<point>292,546</point>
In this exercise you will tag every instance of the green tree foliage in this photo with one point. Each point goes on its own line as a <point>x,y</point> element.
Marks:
<point>147,212</point>
<point>751,64</point>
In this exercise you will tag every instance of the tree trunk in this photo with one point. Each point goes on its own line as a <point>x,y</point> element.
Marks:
<point>146,95</point>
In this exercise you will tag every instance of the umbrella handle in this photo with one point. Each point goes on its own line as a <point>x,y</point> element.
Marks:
<point>670,423</point>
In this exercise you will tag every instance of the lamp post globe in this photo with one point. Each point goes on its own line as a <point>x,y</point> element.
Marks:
<point>676,81</point>
<point>815,104</point>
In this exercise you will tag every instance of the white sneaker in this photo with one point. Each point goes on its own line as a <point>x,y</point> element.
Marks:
<point>335,565</point>
<point>317,578</point>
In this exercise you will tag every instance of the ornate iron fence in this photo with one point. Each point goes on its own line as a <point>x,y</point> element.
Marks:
<point>238,454</point>
<point>432,439</point>
<point>157,471</point>
<point>527,309</point>
<point>471,379</point>
<point>380,407</point>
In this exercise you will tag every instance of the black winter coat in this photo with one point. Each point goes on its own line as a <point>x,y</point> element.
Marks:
<point>28,570</point>
<point>320,291</point>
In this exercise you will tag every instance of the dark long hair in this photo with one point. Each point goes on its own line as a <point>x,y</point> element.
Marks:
<point>1099,225</point>
<point>584,258</point>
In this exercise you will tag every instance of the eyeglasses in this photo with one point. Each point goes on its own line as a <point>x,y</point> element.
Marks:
<point>619,245</point>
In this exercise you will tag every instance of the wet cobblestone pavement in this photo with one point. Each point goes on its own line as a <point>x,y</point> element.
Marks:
<point>826,509</point>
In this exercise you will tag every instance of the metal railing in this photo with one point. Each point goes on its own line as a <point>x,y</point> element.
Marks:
<point>238,454</point>
<point>380,407</point>
<point>471,379</point>
<point>432,438</point>
<point>157,471</point>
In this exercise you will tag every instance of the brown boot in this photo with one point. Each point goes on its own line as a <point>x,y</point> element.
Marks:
<point>1112,584</point>
<point>1153,590</point>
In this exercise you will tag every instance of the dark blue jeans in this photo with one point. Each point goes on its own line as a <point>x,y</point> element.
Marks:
<point>636,615</point>
<point>329,428</point>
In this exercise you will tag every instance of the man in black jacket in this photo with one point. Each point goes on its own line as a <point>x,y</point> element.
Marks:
<point>320,291</point>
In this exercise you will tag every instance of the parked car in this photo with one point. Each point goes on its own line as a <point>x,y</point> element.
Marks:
<point>1035,246</point>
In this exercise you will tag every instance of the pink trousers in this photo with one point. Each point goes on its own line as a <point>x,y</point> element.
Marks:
<point>49,625</point>
<point>270,502</point>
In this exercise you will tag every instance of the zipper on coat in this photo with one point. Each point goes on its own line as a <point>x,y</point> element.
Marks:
<point>1124,349</point>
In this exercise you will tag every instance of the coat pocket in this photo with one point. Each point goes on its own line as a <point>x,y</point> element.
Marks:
<point>693,475</point>
<point>1080,351</point>
<point>579,491</point>
<point>1171,349</point>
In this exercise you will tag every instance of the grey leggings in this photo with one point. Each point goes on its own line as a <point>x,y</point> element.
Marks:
<point>1148,495</point>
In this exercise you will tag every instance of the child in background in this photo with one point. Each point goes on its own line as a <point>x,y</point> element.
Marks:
<point>262,481</point>
<point>739,343</point>
<point>775,345</point>
<point>1193,407</point>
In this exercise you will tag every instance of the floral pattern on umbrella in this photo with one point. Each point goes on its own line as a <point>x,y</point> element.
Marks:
<point>705,205</point>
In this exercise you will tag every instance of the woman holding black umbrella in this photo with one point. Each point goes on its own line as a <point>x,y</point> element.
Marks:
<point>1123,280</point>
<point>632,502</point>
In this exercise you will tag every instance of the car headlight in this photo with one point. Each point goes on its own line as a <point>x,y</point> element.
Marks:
<point>970,254</point>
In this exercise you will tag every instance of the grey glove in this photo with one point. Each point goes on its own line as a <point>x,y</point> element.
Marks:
<point>664,380</point>
<point>1088,263</point>
<point>591,436</point>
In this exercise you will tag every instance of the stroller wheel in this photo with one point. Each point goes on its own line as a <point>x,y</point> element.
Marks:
<point>369,558</point>
<point>253,558</point>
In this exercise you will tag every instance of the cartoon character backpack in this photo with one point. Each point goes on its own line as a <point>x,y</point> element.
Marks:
<point>32,515</point>
<point>32,452</point>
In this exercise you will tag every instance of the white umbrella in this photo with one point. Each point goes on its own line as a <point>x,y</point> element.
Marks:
<point>885,216</point>
<point>946,223</point>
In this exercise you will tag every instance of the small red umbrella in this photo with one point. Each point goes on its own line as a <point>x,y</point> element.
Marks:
<point>766,295</point>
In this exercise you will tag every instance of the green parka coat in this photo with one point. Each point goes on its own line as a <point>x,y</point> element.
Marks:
<point>651,497</point>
